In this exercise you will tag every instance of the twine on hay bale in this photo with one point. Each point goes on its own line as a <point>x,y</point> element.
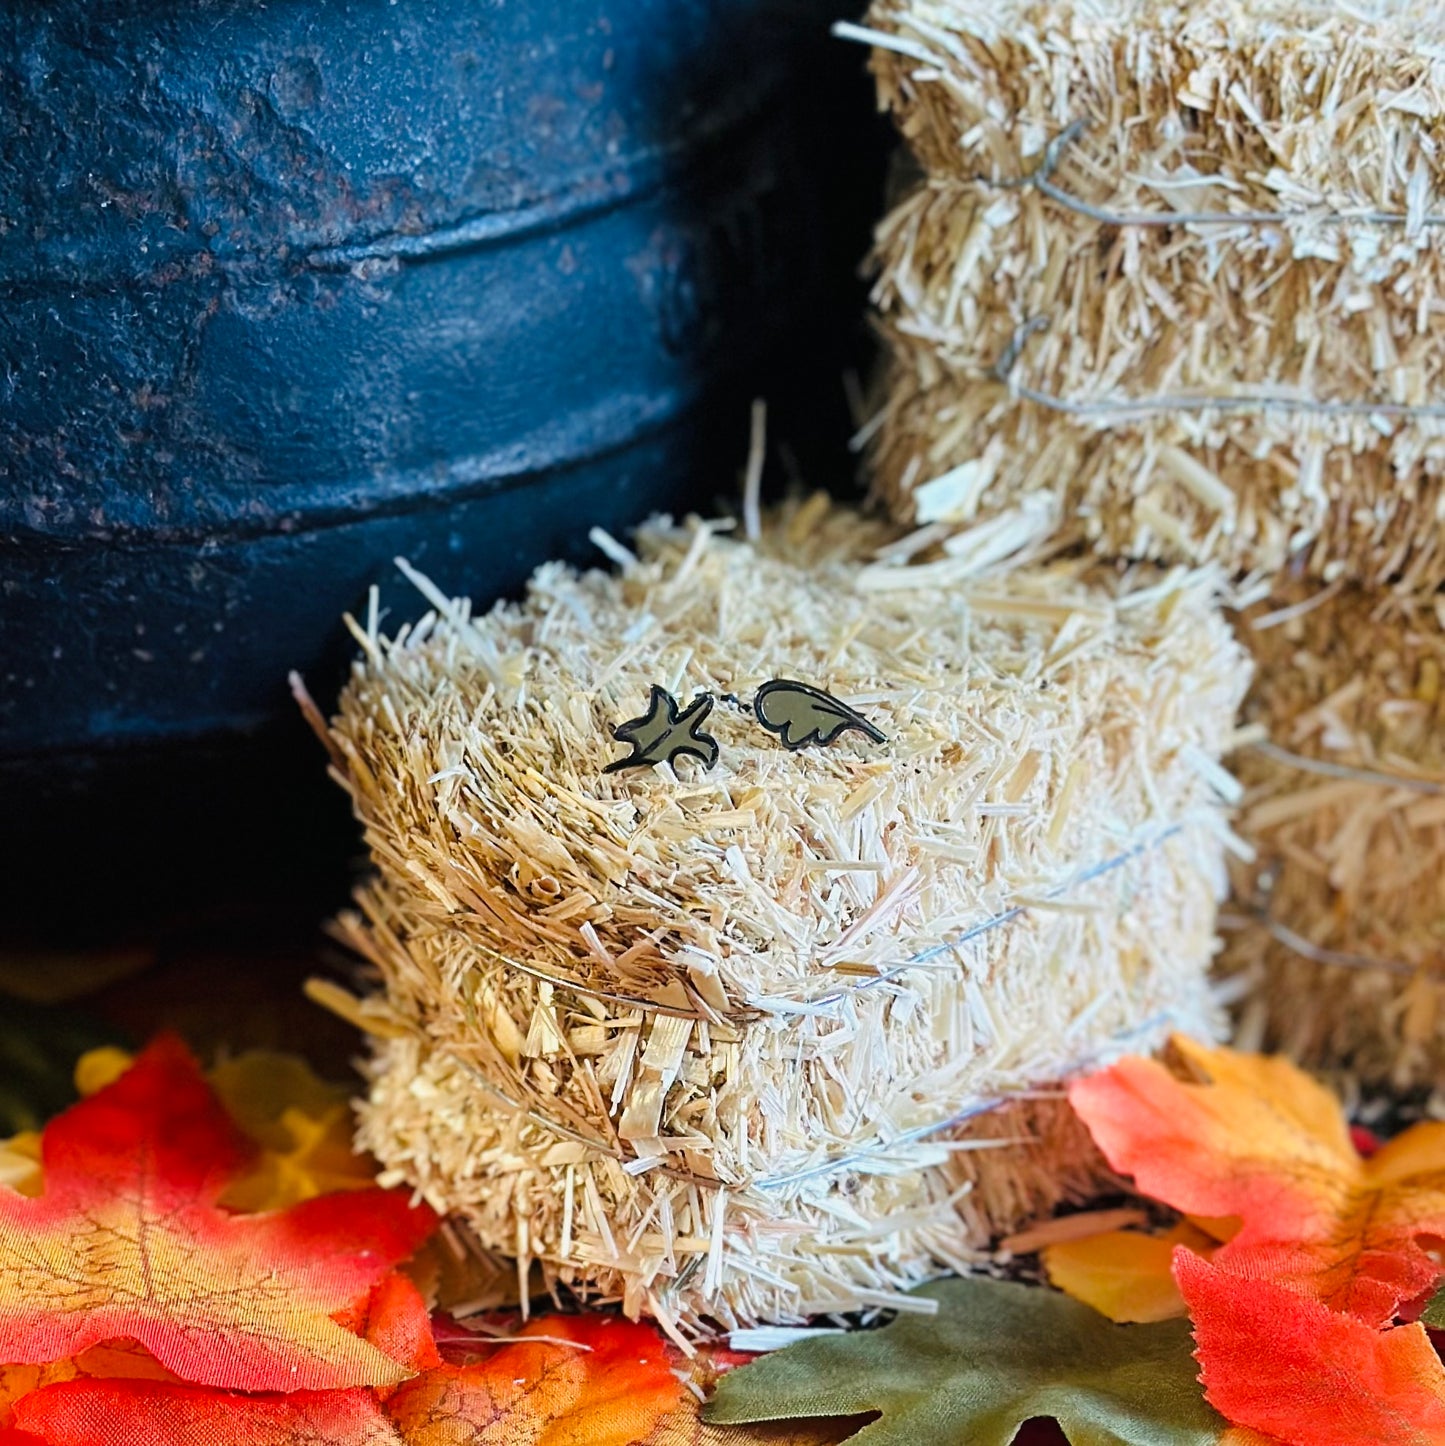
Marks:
<point>1175,271</point>
<point>762,1042</point>
<point>1339,914</point>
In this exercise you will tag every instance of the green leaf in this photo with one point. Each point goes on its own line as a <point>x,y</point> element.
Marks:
<point>995,1355</point>
<point>1434,1314</point>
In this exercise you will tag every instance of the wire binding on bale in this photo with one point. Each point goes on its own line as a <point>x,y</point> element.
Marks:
<point>1338,919</point>
<point>1218,227</point>
<point>764,1042</point>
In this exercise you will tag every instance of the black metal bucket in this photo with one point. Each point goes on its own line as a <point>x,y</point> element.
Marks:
<point>289,290</point>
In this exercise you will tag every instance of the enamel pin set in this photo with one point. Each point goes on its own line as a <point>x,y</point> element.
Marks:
<point>798,713</point>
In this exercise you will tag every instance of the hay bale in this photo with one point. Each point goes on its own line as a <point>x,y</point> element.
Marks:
<point>762,1042</point>
<point>1176,271</point>
<point>1341,916</point>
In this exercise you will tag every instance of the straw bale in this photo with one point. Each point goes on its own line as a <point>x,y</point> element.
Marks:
<point>679,1037</point>
<point>1195,388</point>
<point>1340,919</point>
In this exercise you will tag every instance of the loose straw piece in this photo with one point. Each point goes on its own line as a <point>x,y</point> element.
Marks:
<point>753,479</point>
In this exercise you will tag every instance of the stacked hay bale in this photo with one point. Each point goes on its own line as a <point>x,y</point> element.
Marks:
<point>1171,287</point>
<point>1342,912</point>
<point>763,1041</point>
<point>1040,347</point>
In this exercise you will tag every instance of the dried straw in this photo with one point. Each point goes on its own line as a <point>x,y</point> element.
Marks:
<point>1340,915</point>
<point>759,1043</point>
<point>1173,279</point>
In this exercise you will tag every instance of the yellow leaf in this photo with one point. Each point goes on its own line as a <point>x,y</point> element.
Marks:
<point>1125,1274</point>
<point>97,1068</point>
<point>20,1163</point>
<point>302,1124</point>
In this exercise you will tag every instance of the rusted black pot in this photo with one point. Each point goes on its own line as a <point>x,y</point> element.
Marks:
<point>287,290</point>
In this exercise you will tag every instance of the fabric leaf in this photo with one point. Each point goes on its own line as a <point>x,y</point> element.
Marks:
<point>610,1387</point>
<point>127,1241</point>
<point>1260,1140</point>
<point>1126,1275</point>
<point>995,1355</point>
<point>302,1124</point>
<point>137,1413</point>
<point>1289,1366</point>
<point>20,1162</point>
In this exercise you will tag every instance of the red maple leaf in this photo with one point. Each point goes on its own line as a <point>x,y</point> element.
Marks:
<point>1281,1363</point>
<point>127,1241</point>
<point>565,1381</point>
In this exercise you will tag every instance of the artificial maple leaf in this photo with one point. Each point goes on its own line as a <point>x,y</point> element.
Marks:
<point>115,1360</point>
<point>1262,1141</point>
<point>394,1318</point>
<point>127,1241</point>
<point>17,1382</point>
<point>1281,1363</point>
<point>608,1388</point>
<point>1126,1275</point>
<point>301,1123</point>
<point>129,1413</point>
<point>565,1381</point>
<point>995,1356</point>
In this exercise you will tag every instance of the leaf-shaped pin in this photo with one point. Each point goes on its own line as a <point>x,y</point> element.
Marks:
<point>801,714</point>
<point>662,733</point>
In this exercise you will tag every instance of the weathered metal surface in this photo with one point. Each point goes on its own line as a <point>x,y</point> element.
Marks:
<point>270,271</point>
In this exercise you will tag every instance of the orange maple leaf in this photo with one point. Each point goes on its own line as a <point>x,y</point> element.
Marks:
<point>1261,1141</point>
<point>1290,1367</point>
<point>126,1240</point>
<point>565,1381</point>
<point>117,1360</point>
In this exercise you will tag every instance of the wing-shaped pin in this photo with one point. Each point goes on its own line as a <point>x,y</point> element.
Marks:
<point>801,714</point>
<point>662,733</point>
